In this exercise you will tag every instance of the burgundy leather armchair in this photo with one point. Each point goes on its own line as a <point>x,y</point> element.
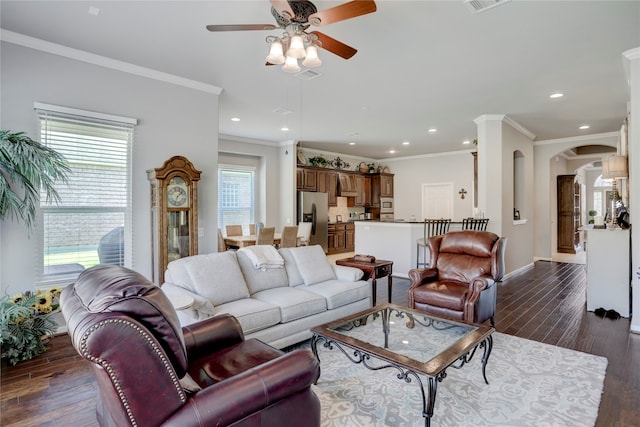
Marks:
<point>150,372</point>
<point>460,285</point>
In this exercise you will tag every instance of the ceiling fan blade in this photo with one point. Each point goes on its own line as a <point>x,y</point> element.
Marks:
<point>241,27</point>
<point>335,46</point>
<point>342,12</point>
<point>283,6</point>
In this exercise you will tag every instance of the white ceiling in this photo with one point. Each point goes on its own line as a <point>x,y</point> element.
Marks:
<point>420,64</point>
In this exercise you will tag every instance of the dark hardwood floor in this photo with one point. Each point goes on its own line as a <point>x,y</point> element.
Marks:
<point>545,303</point>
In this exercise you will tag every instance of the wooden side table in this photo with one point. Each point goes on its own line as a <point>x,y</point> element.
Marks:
<point>372,270</point>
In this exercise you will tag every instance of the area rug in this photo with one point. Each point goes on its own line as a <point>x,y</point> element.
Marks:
<point>530,384</point>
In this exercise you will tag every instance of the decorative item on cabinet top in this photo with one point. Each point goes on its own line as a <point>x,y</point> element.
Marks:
<point>318,161</point>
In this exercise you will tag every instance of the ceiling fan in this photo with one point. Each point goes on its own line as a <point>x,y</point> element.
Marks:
<point>295,17</point>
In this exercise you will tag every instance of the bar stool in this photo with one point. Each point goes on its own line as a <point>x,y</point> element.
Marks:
<point>479,224</point>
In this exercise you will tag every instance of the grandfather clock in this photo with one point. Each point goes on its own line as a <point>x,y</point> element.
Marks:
<point>174,213</point>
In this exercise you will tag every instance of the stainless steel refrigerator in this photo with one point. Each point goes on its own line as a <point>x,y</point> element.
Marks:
<point>314,208</point>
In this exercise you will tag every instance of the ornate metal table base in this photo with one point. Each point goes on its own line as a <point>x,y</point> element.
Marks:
<point>408,375</point>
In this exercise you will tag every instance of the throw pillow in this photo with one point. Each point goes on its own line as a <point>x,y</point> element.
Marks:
<point>295,279</point>
<point>313,265</point>
<point>217,277</point>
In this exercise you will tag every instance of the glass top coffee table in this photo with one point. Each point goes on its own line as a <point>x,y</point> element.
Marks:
<point>412,342</point>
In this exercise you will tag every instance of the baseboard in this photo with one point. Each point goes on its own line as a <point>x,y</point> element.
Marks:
<point>519,270</point>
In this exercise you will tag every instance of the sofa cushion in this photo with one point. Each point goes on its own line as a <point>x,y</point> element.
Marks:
<point>258,280</point>
<point>252,314</point>
<point>294,303</point>
<point>215,276</point>
<point>338,293</point>
<point>313,264</point>
<point>290,265</point>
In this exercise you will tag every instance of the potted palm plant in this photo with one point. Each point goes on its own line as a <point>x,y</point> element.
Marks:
<point>27,167</point>
<point>27,170</point>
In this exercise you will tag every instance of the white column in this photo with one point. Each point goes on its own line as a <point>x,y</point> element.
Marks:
<point>490,170</point>
<point>632,68</point>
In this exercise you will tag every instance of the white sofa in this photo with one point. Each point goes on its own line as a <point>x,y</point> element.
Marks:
<point>276,297</point>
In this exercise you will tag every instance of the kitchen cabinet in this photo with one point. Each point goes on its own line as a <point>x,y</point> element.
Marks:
<point>358,187</point>
<point>349,237</point>
<point>327,182</point>
<point>568,213</point>
<point>341,238</point>
<point>367,191</point>
<point>360,190</point>
<point>381,186</point>
<point>306,179</point>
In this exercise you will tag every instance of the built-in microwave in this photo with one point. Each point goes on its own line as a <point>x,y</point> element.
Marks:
<point>386,204</point>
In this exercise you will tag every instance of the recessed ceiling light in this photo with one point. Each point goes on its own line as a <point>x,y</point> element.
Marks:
<point>583,127</point>
<point>432,130</point>
<point>465,142</point>
<point>352,143</point>
<point>284,128</point>
<point>556,95</point>
<point>392,151</point>
<point>235,119</point>
<point>406,143</point>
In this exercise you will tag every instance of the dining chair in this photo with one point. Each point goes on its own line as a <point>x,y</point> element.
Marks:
<point>304,233</point>
<point>289,237</point>
<point>432,227</point>
<point>234,230</point>
<point>221,245</point>
<point>252,229</point>
<point>479,224</point>
<point>265,235</point>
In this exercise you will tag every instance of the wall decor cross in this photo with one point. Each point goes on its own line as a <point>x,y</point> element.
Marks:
<point>462,193</point>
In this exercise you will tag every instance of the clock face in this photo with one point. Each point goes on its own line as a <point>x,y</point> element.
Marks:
<point>177,196</point>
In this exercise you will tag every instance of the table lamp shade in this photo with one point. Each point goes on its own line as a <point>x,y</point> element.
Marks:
<point>618,167</point>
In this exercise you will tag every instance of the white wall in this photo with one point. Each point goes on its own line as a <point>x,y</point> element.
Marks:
<point>412,173</point>
<point>519,251</point>
<point>173,120</point>
<point>269,182</point>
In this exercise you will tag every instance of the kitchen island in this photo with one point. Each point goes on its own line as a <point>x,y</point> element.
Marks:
<point>392,240</point>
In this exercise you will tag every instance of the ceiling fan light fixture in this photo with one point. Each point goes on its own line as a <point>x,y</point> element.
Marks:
<point>296,47</point>
<point>312,59</point>
<point>291,65</point>
<point>276,54</point>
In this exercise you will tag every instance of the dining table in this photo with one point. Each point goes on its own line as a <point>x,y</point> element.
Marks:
<point>250,240</point>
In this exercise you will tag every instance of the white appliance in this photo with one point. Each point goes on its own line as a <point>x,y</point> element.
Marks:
<point>386,205</point>
<point>314,208</point>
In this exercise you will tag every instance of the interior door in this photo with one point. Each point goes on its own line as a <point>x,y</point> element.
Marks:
<point>437,200</point>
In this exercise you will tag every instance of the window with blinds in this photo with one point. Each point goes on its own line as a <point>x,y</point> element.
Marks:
<point>91,224</point>
<point>235,196</point>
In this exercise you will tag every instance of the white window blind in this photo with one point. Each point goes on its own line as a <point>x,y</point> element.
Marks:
<point>91,224</point>
<point>235,196</point>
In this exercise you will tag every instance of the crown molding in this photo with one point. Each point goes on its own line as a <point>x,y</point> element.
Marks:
<point>102,61</point>
<point>506,119</point>
<point>589,137</point>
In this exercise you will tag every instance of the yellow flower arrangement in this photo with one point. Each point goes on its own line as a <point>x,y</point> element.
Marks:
<point>24,321</point>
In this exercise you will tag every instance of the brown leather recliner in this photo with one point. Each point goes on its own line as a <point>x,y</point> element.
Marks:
<point>127,328</point>
<point>460,285</point>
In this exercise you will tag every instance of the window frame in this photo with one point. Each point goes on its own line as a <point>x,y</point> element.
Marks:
<point>222,167</point>
<point>93,120</point>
